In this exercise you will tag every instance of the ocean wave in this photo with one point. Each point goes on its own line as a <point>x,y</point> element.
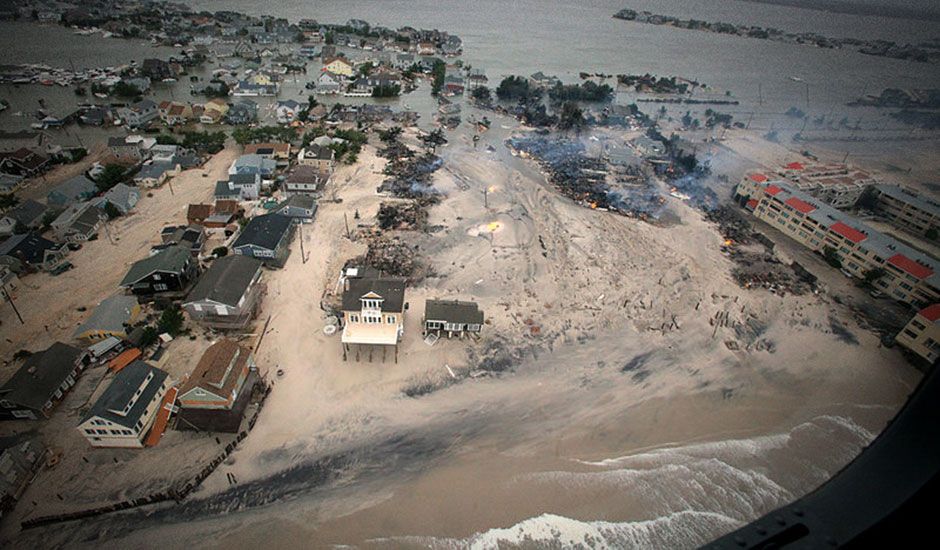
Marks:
<point>742,448</point>
<point>684,529</point>
<point>690,493</point>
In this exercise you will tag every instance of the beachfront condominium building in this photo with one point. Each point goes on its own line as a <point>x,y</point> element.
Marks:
<point>834,183</point>
<point>901,272</point>
<point>922,333</point>
<point>908,210</point>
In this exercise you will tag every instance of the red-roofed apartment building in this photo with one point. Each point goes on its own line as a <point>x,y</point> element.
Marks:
<point>922,334</point>
<point>836,184</point>
<point>906,275</point>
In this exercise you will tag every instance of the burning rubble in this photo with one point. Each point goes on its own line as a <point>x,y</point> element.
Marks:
<point>402,215</point>
<point>394,257</point>
<point>586,179</point>
<point>756,266</point>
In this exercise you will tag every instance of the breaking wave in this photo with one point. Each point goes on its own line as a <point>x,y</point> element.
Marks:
<point>682,496</point>
<point>679,530</point>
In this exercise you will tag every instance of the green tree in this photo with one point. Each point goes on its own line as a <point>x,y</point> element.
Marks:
<point>437,76</point>
<point>8,201</point>
<point>872,275</point>
<point>112,175</point>
<point>386,91</point>
<point>125,90</point>
<point>390,135</point>
<point>149,336</point>
<point>171,321</point>
<point>111,210</point>
<point>831,256</point>
<point>932,233</point>
<point>481,94</point>
<point>571,117</point>
<point>166,139</point>
<point>220,251</point>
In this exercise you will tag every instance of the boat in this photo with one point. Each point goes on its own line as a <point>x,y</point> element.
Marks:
<point>796,79</point>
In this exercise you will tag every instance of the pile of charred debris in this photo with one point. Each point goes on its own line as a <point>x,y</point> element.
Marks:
<point>588,180</point>
<point>409,173</point>
<point>402,215</point>
<point>756,265</point>
<point>395,257</point>
<point>576,175</point>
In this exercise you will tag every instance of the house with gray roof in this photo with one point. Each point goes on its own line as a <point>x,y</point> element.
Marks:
<point>253,164</point>
<point>140,113</point>
<point>228,294</point>
<point>78,223</point>
<point>300,208</point>
<point>72,190</point>
<point>28,214</point>
<point>43,380</point>
<point>192,237</point>
<point>30,251</point>
<point>239,187</point>
<point>267,238</point>
<point>127,409</point>
<point>452,317</point>
<point>111,318</point>
<point>121,196</point>
<point>169,272</point>
<point>154,173</point>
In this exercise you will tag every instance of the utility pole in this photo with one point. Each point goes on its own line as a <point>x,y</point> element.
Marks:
<point>485,193</point>
<point>303,256</point>
<point>346,222</point>
<point>107,231</point>
<point>12,303</point>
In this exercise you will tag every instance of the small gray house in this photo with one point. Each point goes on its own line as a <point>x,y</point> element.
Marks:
<point>453,317</point>
<point>266,238</point>
<point>228,293</point>
<point>300,208</point>
<point>169,272</point>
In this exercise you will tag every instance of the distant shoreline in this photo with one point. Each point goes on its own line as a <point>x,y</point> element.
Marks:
<point>849,8</point>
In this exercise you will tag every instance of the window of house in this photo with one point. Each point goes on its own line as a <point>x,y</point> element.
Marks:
<point>159,287</point>
<point>156,276</point>
<point>353,318</point>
